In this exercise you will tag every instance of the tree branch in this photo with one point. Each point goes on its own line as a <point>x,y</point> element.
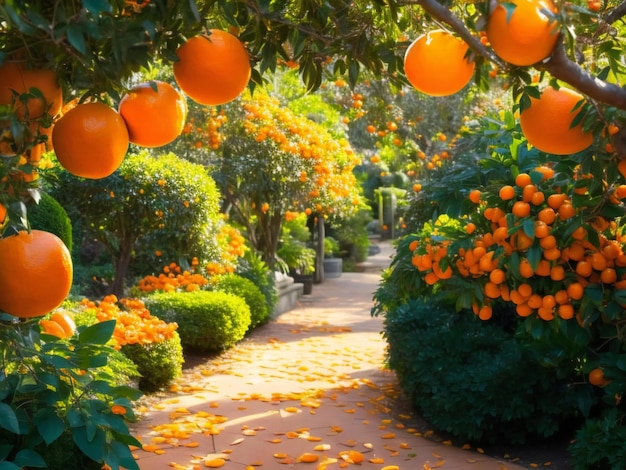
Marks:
<point>559,65</point>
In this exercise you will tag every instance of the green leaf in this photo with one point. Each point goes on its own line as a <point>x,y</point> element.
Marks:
<point>8,466</point>
<point>76,38</point>
<point>621,363</point>
<point>97,6</point>
<point>29,458</point>
<point>100,333</point>
<point>5,450</point>
<point>8,419</point>
<point>50,426</point>
<point>94,448</point>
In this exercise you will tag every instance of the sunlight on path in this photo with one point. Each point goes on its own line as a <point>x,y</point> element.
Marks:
<point>309,390</point>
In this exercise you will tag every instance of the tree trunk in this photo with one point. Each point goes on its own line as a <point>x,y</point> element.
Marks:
<point>319,252</point>
<point>122,262</point>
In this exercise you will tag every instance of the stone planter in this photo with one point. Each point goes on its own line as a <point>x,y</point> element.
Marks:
<point>333,267</point>
<point>305,279</point>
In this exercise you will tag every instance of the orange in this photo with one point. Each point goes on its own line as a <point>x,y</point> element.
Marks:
<point>547,122</point>
<point>575,291</point>
<point>542,229</point>
<point>608,276</point>
<point>596,377</point>
<point>3,214</point>
<point>16,75</point>
<point>212,69</point>
<point>524,36</point>
<point>52,328</point>
<point>521,209</point>
<point>557,272</point>
<point>621,167</point>
<point>566,211</point>
<point>153,117</point>
<point>507,192</point>
<point>522,180</point>
<point>525,269</point>
<point>474,195</point>
<point>428,73</point>
<point>65,321</point>
<point>547,215</point>
<point>556,200</point>
<point>90,140</point>
<point>35,273</point>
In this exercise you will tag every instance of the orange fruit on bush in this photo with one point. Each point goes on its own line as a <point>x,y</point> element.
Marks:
<point>596,377</point>
<point>16,75</point>
<point>524,34</point>
<point>65,321</point>
<point>212,69</point>
<point>474,195</point>
<point>507,192</point>
<point>429,73</point>
<point>153,117</point>
<point>35,273</point>
<point>90,140</point>
<point>3,214</point>
<point>52,328</point>
<point>547,122</point>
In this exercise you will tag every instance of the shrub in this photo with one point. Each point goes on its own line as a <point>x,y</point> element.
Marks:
<point>599,444</point>
<point>50,216</point>
<point>469,378</point>
<point>207,321</point>
<point>252,267</point>
<point>159,364</point>
<point>247,290</point>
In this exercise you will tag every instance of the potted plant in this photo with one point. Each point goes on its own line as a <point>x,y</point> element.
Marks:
<point>295,256</point>
<point>333,264</point>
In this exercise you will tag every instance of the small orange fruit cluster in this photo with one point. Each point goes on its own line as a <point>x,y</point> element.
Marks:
<point>134,323</point>
<point>173,279</point>
<point>531,253</point>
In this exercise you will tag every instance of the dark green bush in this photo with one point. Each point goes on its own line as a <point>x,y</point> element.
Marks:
<point>159,364</point>
<point>207,321</point>
<point>247,290</point>
<point>50,216</point>
<point>471,379</point>
<point>252,267</point>
<point>599,444</point>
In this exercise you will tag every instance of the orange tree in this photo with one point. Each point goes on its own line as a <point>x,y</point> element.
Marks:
<point>272,162</point>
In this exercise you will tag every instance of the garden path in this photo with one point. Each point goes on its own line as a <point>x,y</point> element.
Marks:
<point>311,381</point>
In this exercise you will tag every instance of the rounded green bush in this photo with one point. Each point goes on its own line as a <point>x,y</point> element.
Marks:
<point>252,267</point>
<point>159,364</point>
<point>51,217</point>
<point>247,290</point>
<point>472,379</point>
<point>207,321</point>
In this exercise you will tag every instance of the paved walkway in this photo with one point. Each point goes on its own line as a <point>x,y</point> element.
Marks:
<point>308,386</point>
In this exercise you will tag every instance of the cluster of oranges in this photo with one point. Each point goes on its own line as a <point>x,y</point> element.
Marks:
<point>209,133</point>
<point>325,163</point>
<point>532,250</point>
<point>133,322</point>
<point>173,279</point>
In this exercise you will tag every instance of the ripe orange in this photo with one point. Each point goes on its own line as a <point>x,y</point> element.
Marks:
<point>522,180</point>
<point>596,377</point>
<point>16,75</point>
<point>474,195</point>
<point>507,192</point>
<point>524,36</point>
<point>35,273</point>
<point>521,209</point>
<point>3,214</point>
<point>65,321</point>
<point>154,118</point>
<point>547,123</point>
<point>52,328</point>
<point>212,69</point>
<point>90,140</point>
<point>428,73</point>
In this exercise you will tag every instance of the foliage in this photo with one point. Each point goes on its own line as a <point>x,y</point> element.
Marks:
<point>53,386</point>
<point>150,343</point>
<point>272,161</point>
<point>583,329</point>
<point>207,321</point>
<point>295,253</point>
<point>252,267</point>
<point>331,247</point>
<point>600,443</point>
<point>353,236</point>
<point>48,215</point>
<point>247,290</point>
<point>158,363</point>
<point>151,208</point>
<point>472,379</point>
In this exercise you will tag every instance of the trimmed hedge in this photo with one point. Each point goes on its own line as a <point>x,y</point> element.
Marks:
<point>51,217</point>
<point>207,321</point>
<point>247,290</point>
<point>159,364</point>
